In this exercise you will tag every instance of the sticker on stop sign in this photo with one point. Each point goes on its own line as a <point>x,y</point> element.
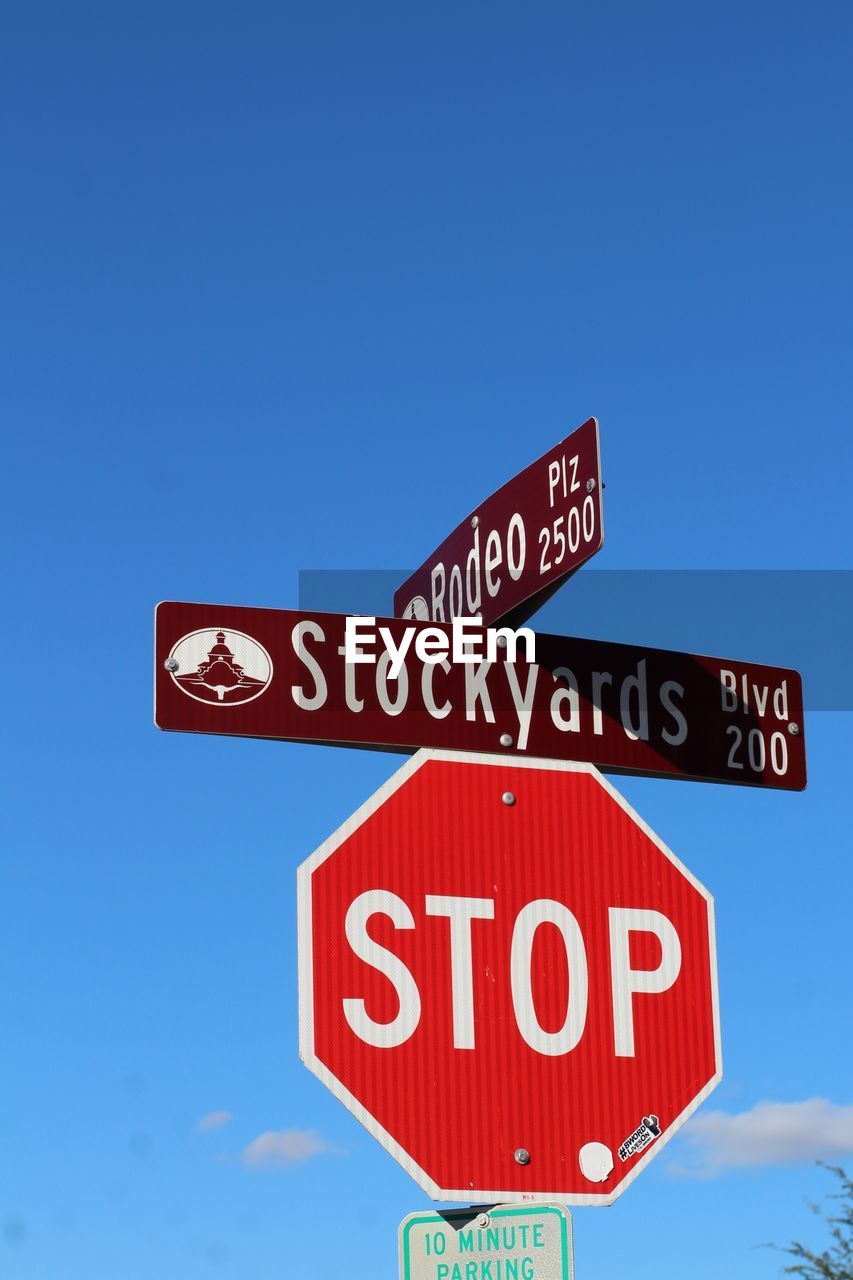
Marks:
<point>508,979</point>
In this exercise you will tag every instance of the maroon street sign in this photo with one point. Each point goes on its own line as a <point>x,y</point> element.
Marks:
<point>515,549</point>
<point>281,673</point>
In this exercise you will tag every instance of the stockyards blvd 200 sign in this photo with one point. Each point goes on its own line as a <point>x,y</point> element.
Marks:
<point>284,673</point>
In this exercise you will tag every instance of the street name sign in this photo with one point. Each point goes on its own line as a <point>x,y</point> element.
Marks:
<point>508,978</point>
<point>513,551</point>
<point>506,1242</point>
<point>282,673</point>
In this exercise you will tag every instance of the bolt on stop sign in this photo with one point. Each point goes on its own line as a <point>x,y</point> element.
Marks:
<point>508,979</point>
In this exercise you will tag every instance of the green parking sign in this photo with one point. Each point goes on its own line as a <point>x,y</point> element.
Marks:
<point>505,1242</point>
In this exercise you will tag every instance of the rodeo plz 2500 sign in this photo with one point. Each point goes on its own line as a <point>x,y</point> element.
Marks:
<point>511,553</point>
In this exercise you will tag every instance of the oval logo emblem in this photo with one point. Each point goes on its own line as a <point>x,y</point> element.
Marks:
<point>219,666</point>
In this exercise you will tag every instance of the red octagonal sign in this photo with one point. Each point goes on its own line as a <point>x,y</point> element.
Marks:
<point>508,978</point>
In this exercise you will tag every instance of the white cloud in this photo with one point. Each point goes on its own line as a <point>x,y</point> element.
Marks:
<point>770,1133</point>
<point>214,1120</point>
<point>279,1147</point>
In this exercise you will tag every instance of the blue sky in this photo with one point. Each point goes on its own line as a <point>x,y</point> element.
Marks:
<point>293,287</point>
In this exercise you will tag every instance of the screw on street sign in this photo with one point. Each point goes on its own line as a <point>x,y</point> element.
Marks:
<point>506,1242</point>
<point>508,978</point>
<point>282,673</point>
<point>517,547</point>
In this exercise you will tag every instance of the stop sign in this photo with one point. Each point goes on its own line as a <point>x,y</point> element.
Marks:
<point>508,979</point>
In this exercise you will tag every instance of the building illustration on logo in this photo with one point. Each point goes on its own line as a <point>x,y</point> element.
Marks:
<point>220,667</point>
